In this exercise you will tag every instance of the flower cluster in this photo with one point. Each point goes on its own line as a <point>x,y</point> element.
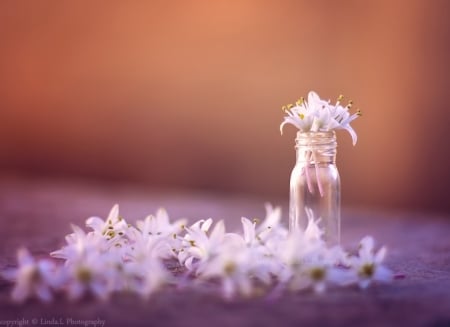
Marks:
<point>317,115</point>
<point>115,256</point>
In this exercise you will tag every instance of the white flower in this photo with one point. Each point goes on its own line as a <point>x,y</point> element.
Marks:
<point>153,276</point>
<point>159,225</point>
<point>311,264</point>
<point>113,228</point>
<point>249,228</point>
<point>367,266</point>
<point>232,267</point>
<point>32,278</point>
<point>198,246</point>
<point>263,248</point>
<point>113,233</point>
<point>342,119</point>
<point>141,246</point>
<point>266,235</point>
<point>313,274</point>
<point>90,273</point>
<point>269,228</point>
<point>118,257</point>
<point>89,264</point>
<point>159,228</point>
<point>79,243</point>
<point>317,115</point>
<point>196,243</point>
<point>142,272</point>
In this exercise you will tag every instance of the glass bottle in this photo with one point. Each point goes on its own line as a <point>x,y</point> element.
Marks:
<point>315,184</point>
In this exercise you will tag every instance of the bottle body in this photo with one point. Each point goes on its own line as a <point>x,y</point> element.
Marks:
<point>315,185</point>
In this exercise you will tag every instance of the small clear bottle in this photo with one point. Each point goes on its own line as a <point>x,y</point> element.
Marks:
<point>315,185</point>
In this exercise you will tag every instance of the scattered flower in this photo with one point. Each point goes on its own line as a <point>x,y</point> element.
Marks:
<point>232,268</point>
<point>158,227</point>
<point>89,274</point>
<point>33,278</point>
<point>115,256</point>
<point>367,266</point>
<point>112,228</point>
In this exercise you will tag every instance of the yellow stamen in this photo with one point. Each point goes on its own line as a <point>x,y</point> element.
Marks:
<point>84,275</point>
<point>229,268</point>
<point>317,273</point>
<point>367,270</point>
<point>302,116</point>
<point>300,101</point>
<point>35,275</point>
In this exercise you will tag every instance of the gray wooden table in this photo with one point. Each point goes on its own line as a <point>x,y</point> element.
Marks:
<point>37,213</point>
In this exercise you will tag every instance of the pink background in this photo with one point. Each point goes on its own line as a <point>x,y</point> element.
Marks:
<point>187,94</point>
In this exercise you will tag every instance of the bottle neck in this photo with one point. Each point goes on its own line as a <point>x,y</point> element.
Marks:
<point>316,147</point>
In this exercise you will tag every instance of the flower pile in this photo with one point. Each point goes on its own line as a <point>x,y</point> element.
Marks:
<point>155,254</point>
<point>317,115</point>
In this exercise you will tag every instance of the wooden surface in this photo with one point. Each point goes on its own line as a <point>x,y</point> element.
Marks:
<point>37,214</point>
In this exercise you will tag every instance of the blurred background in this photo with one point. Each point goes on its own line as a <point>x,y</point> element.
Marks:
<point>187,95</point>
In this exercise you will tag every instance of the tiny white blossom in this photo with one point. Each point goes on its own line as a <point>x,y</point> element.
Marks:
<point>153,276</point>
<point>159,227</point>
<point>32,278</point>
<point>88,265</point>
<point>232,267</point>
<point>198,246</point>
<point>271,226</point>
<point>367,266</point>
<point>113,228</point>
<point>79,243</point>
<point>265,233</point>
<point>142,270</point>
<point>89,274</point>
<point>312,265</point>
